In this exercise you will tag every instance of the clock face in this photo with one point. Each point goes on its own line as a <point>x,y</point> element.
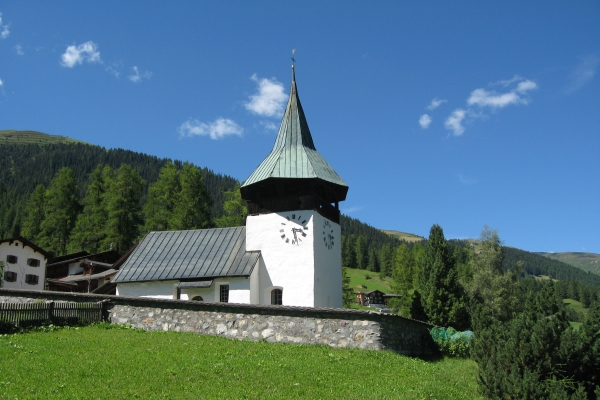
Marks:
<point>293,231</point>
<point>328,238</point>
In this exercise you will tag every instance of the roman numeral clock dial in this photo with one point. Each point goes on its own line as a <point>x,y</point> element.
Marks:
<point>328,238</point>
<point>293,231</point>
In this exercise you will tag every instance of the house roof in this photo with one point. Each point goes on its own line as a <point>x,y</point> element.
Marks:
<point>294,154</point>
<point>69,258</point>
<point>192,254</point>
<point>85,277</point>
<point>28,243</point>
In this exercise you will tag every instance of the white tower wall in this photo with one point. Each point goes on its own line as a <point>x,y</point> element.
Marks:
<point>308,272</point>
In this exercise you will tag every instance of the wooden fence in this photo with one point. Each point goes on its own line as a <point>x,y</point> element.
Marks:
<point>34,314</point>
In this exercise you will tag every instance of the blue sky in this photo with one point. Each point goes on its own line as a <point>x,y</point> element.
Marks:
<point>433,112</point>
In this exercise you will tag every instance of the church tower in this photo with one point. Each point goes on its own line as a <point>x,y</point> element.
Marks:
<point>294,219</point>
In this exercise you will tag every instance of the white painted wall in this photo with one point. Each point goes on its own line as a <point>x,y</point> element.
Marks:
<point>21,267</point>
<point>156,289</point>
<point>75,268</point>
<point>239,290</point>
<point>328,266</point>
<point>306,271</point>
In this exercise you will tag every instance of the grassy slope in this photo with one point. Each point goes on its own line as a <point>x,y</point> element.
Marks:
<point>31,137</point>
<point>358,281</point>
<point>94,362</point>
<point>409,237</point>
<point>585,261</point>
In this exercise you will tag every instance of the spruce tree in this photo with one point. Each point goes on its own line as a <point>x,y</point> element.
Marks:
<point>403,280</point>
<point>442,296</point>
<point>60,212</point>
<point>193,205</point>
<point>34,213</point>
<point>162,198</point>
<point>362,255</point>
<point>235,209</point>
<point>89,233</point>
<point>373,264</point>
<point>348,296</point>
<point>349,252</point>
<point>123,196</point>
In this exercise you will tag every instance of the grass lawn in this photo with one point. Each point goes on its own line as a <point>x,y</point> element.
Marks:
<point>99,363</point>
<point>358,282</point>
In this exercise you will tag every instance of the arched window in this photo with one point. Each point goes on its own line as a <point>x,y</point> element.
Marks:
<point>197,298</point>
<point>276,297</point>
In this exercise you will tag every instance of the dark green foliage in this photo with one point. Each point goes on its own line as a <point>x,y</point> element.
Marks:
<point>442,296</point>
<point>61,208</point>
<point>348,297</point>
<point>536,354</point>
<point>123,206</point>
<point>23,167</point>
<point>386,257</point>
<point>90,233</point>
<point>235,209</point>
<point>193,206</point>
<point>373,264</point>
<point>34,213</point>
<point>162,197</point>
<point>537,265</point>
<point>349,251</point>
<point>362,255</point>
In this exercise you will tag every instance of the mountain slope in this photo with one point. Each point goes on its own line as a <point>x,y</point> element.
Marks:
<point>585,261</point>
<point>33,137</point>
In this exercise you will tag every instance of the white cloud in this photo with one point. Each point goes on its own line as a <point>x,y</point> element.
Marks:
<point>270,99</point>
<point>74,55</point>
<point>5,31</point>
<point>465,180</point>
<point>19,50</point>
<point>483,98</point>
<point>454,122</point>
<point>350,210</point>
<point>583,74</point>
<point>137,76</point>
<point>435,103</point>
<point>269,125</point>
<point>424,121</point>
<point>114,69</point>
<point>1,83</point>
<point>217,129</point>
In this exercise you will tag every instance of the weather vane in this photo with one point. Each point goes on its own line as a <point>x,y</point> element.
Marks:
<point>293,59</point>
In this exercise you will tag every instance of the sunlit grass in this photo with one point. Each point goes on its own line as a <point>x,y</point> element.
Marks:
<point>95,362</point>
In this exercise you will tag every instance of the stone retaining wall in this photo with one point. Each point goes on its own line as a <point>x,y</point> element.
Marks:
<point>331,327</point>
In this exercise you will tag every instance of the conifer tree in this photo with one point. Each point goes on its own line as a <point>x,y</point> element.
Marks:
<point>235,209</point>
<point>362,256</point>
<point>162,198</point>
<point>349,251</point>
<point>89,233</point>
<point>442,296</point>
<point>193,205</point>
<point>348,296</point>
<point>123,196</point>
<point>34,213</point>
<point>373,264</point>
<point>60,212</point>
<point>386,257</point>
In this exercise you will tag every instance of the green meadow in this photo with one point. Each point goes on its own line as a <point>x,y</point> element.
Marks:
<point>103,362</point>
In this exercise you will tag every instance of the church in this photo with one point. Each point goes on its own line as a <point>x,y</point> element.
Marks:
<point>289,251</point>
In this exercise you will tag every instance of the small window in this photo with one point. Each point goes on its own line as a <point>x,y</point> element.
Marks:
<point>197,298</point>
<point>276,297</point>
<point>31,279</point>
<point>11,259</point>
<point>33,262</point>
<point>224,294</point>
<point>10,276</point>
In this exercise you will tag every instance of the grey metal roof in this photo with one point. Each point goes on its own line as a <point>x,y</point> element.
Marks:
<point>294,154</point>
<point>195,285</point>
<point>200,253</point>
<point>82,277</point>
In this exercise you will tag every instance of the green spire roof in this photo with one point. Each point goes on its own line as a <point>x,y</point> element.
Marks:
<point>294,154</point>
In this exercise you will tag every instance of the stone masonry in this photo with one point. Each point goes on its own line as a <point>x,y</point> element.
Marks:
<point>330,327</point>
